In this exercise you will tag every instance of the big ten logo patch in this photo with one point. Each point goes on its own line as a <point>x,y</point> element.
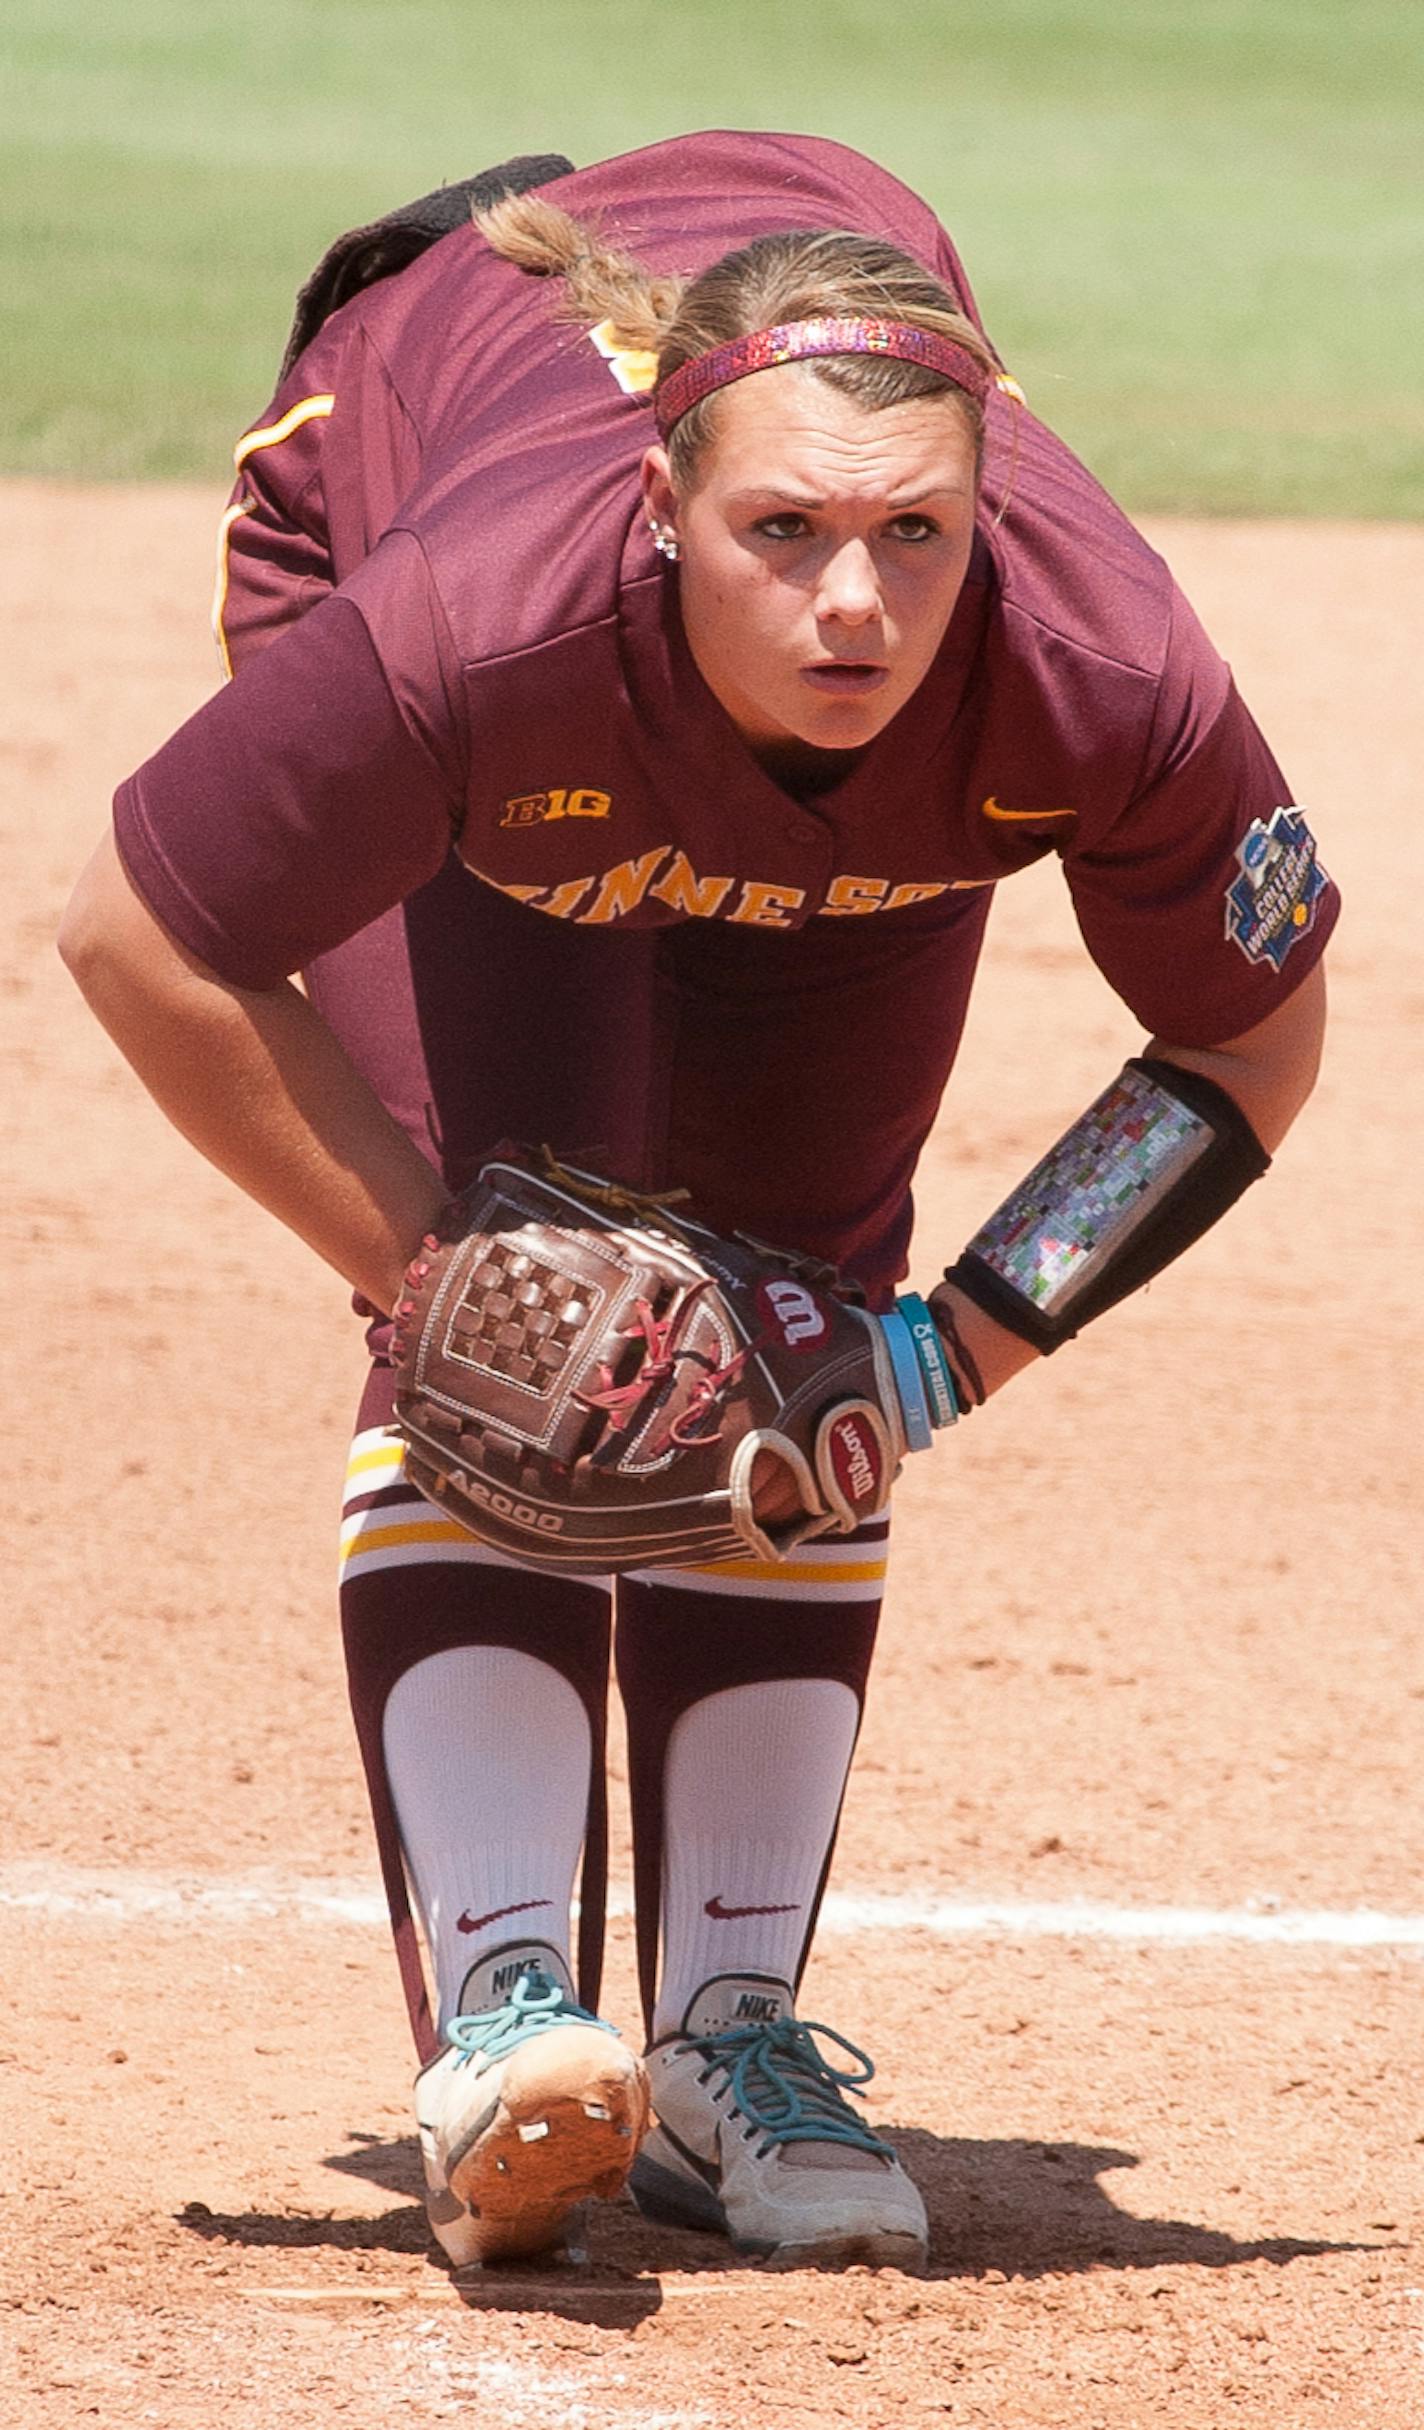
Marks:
<point>561,801</point>
<point>790,1309</point>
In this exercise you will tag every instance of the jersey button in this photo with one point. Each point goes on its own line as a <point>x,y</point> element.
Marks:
<point>802,831</point>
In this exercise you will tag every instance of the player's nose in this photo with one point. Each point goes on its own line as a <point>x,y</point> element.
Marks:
<point>849,589</point>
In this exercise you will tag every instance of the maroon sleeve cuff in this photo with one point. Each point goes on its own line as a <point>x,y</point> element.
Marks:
<point>293,809</point>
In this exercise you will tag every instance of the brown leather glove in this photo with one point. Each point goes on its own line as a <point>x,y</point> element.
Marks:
<point>586,1378</point>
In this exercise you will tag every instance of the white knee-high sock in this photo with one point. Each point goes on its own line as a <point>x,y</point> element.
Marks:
<point>752,1789</point>
<point>487,1753</point>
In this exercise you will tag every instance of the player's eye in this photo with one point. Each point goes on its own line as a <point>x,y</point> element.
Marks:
<point>913,527</point>
<point>787,526</point>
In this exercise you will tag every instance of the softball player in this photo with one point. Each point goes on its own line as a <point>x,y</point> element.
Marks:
<point>657,625</point>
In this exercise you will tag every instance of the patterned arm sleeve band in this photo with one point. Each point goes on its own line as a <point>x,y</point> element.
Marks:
<point>1153,1163</point>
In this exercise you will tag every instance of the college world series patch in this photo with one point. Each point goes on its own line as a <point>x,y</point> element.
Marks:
<point>1271,905</point>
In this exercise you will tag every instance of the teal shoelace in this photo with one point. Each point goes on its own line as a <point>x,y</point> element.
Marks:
<point>786,2088</point>
<point>535,2004</point>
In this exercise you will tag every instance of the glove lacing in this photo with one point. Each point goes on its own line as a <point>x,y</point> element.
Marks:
<point>623,1404</point>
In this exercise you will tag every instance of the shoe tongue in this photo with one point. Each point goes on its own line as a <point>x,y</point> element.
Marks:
<point>489,1984</point>
<point>738,1999</point>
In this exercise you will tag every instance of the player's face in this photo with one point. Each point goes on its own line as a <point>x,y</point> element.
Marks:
<point>823,549</point>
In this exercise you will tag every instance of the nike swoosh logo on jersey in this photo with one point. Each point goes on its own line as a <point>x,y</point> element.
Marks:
<point>732,1915</point>
<point>477,1923</point>
<point>1010,818</point>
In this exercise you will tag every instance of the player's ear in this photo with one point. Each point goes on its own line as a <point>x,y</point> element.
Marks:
<point>659,496</point>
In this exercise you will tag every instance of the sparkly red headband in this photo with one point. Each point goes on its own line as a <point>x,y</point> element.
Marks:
<point>800,341</point>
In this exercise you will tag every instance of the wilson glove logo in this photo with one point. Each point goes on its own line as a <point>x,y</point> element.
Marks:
<point>855,1459</point>
<point>795,1313</point>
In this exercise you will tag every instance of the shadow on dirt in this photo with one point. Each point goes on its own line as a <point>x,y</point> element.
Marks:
<point>1031,2209</point>
<point>1022,2209</point>
<point>402,2231</point>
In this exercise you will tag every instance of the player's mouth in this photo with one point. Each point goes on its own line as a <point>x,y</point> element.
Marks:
<point>847,678</point>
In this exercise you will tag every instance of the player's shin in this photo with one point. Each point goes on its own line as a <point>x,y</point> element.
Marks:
<point>487,1753</point>
<point>754,1779</point>
<point>744,1692</point>
<point>532,2103</point>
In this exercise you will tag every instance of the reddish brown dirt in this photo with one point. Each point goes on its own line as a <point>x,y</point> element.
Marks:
<point>1153,1640</point>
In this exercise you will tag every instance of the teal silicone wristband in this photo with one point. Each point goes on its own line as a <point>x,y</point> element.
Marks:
<point>909,1381</point>
<point>934,1366</point>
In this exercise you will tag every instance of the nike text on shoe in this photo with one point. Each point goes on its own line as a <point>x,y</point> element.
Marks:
<point>755,2138</point>
<point>532,2106</point>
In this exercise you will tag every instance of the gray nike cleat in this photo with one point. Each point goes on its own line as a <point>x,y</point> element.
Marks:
<point>755,2139</point>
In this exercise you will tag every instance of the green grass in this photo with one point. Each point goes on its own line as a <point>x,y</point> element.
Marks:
<point>1196,231</point>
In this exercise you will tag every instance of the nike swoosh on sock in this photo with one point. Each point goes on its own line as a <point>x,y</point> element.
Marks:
<point>477,1923</point>
<point>732,1915</point>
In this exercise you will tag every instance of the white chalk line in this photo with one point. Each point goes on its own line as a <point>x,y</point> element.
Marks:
<point>115,1896</point>
<point>528,2395</point>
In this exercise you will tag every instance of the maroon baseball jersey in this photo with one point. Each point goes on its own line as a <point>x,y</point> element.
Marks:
<point>452,637</point>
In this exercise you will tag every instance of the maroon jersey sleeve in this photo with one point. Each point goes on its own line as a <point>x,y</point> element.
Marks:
<point>311,794</point>
<point>274,551</point>
<point>273,563</point>
<point>1158,896</point>
<point>304,512</point>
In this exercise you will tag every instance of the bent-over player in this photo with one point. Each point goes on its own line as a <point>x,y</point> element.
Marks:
<point>657,625</point>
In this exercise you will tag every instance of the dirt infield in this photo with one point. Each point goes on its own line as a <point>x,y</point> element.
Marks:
<point>1131,1882</point>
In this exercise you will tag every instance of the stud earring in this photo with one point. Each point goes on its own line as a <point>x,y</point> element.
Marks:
<point>665,542</point>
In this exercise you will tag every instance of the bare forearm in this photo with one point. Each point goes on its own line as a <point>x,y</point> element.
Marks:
<point>257,1082</point>
<point>997,1354</point>
<point>1269,1070</point>
<point>283,1113</point>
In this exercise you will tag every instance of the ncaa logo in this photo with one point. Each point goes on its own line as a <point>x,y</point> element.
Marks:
<point>1255,850</point>
<point>795,1312</point>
